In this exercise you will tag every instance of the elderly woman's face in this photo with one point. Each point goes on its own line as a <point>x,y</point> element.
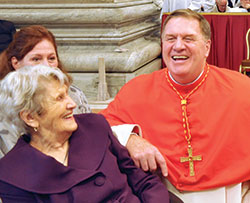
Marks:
<point>43,53</point>
<point>57,117</point>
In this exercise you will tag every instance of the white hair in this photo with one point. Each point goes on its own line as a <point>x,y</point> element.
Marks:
<point>21,90</point>
<point>219,1</point>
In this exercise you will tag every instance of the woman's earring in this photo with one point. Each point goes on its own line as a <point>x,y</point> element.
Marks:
<point>35,129</point>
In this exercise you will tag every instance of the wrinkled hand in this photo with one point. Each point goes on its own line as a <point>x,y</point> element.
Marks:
<point>146,155</point>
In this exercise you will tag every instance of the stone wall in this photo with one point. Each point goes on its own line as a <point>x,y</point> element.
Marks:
<point>120,31</point>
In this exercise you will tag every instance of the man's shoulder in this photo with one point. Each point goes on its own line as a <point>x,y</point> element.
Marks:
<point>225,72</point>
<point>230,77</point>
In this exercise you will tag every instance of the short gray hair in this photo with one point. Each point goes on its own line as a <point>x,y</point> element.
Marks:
<point>21,90</point>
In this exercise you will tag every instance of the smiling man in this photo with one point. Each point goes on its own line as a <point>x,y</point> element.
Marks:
<point>193,117</point>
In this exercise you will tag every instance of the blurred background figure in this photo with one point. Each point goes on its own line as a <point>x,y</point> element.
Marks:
<point>7,30</point>
<point>233,3</point>
<point>171,5</point>
<point>195,5</point>
<point>245,4</point>
<point>221,6</point>
<point>202,5</point>
<point>241,6</point>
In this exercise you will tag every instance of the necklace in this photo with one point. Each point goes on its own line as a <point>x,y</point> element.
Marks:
<point>187,133</point>
<point>65,160</point>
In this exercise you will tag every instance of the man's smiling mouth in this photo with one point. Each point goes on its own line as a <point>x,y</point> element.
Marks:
<point>180,58</point>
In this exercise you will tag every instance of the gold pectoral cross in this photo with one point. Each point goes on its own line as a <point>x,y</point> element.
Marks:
<point>191,160</point>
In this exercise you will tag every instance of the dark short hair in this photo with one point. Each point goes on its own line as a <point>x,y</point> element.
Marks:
<point>187,13</point>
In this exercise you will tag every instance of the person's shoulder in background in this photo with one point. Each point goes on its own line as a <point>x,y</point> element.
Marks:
<point>7,30</point>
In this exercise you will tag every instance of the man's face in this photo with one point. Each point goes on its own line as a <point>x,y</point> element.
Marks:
<point>184,49</point>
<point>222,5</point>
<point>245,3</point>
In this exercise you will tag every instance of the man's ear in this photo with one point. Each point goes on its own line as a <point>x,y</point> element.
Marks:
<point>15,63</point>
<point>208,46</point>
<point>29,119</point>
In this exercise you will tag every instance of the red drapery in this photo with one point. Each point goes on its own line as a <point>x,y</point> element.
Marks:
<point>229,30</point>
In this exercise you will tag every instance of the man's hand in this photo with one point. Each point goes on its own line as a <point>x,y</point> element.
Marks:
<point>146,155</point>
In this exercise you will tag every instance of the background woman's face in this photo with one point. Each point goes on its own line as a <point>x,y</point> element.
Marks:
<point>43,53</point>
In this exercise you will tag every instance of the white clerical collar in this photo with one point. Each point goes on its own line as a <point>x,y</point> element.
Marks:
<point>186,83</point>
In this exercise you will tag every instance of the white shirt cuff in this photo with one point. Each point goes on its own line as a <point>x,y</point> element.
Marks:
<point>122,132</point>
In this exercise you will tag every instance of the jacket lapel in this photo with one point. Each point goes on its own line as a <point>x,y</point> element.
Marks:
<point>29,169</point>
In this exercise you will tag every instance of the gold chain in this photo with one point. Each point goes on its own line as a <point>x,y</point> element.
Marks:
<point>184,101</point>
<point>191,158</point>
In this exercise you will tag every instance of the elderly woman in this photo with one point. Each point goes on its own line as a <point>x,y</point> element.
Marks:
<point>60,157</point>
<point>33,45</point>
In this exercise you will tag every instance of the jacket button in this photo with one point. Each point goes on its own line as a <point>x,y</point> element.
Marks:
<point>99,181</point>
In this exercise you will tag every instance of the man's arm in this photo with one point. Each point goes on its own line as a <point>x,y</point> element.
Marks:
<point>145,155</point>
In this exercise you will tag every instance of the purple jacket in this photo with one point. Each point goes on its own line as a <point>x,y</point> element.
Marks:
<point>99,170</point>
